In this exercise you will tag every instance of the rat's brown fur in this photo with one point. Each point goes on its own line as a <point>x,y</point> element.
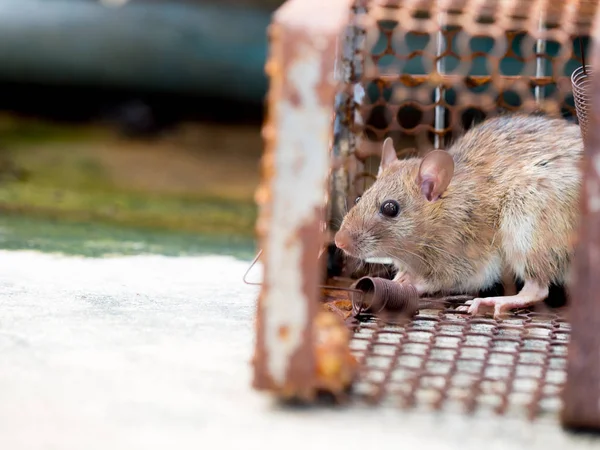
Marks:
<point>512,205</point>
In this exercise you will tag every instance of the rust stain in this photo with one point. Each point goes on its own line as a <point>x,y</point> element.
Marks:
<point>284,333</point>
<point>294,97</point>
<point>327,85</point>
<point>325,89</point>
<point>471,81</point>
<point>335,364</point>
<point>302,370</point>
<point>342,308</point>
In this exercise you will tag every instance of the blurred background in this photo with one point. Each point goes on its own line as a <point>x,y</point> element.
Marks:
<point>130,115</point>
<point>136,123</point>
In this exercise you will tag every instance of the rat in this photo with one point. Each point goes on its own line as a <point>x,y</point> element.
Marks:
<point>501,202</point>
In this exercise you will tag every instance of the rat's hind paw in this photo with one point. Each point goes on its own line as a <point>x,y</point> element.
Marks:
<point>473,306</point>
<point>531,293</point>
<point>500,305</point>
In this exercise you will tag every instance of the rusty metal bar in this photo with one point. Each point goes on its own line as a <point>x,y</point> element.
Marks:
<point>520,12</point>
<point>414,80</point>
<point>440,112</point>
<point>581,395</point>
<point>304,38</point>
<point>540,49</point>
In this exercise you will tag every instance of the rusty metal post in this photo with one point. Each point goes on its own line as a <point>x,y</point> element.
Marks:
<point>304,38</point>
<point>581,395</point>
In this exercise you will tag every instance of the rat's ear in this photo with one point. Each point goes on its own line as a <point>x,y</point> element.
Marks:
<point>388,154</point>
<point>435,174</point>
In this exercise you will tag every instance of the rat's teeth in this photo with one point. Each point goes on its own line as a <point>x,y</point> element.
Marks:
<point>379,260</point>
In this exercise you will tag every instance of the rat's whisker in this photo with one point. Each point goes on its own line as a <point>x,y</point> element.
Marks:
<point>394,257</point>
<point>359,265</point>
<point>337,223</point>
<point>437,249</point>
<point>423,260</point>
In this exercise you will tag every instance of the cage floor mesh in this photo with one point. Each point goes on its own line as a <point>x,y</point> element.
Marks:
<point>444,359</point>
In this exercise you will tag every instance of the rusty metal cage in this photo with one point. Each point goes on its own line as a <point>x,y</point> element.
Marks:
<point>422,71</point>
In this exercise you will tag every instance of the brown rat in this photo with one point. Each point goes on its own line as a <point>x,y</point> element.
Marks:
<point>502,200</point>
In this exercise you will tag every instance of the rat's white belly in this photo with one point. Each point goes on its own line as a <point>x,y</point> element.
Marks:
<point>488,274</point>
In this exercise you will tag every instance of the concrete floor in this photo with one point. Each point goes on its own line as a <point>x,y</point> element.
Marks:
<point>151,352</point>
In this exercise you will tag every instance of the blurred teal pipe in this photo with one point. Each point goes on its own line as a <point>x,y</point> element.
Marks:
<point>194,48</point>
<point>180,47</point>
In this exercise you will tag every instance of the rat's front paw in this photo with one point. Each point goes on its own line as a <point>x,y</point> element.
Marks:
<point>402,277</point>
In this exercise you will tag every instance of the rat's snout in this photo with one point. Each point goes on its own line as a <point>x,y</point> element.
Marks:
<point>343,240</point>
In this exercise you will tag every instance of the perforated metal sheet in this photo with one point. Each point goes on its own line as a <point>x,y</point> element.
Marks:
<point>448,360</point>
<point>430,69</point>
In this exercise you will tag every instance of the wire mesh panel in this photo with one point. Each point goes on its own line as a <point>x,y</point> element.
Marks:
<point>432,69</point>
<point>447,360</point>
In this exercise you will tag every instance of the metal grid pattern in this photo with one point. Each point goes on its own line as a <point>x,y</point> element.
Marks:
<point>447,360</point>
<point>430,69</point>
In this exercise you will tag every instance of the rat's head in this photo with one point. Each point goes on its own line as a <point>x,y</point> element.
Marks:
<point>394,212</point>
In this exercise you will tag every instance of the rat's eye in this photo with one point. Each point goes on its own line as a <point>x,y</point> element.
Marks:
<point>390,208</point>
<point>356,200</point>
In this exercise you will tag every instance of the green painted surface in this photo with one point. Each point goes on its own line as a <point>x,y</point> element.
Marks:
<point>98,240</point>
<point>202,185</point>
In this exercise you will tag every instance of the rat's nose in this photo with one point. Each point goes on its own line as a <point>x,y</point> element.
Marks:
<point>342,239</point>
